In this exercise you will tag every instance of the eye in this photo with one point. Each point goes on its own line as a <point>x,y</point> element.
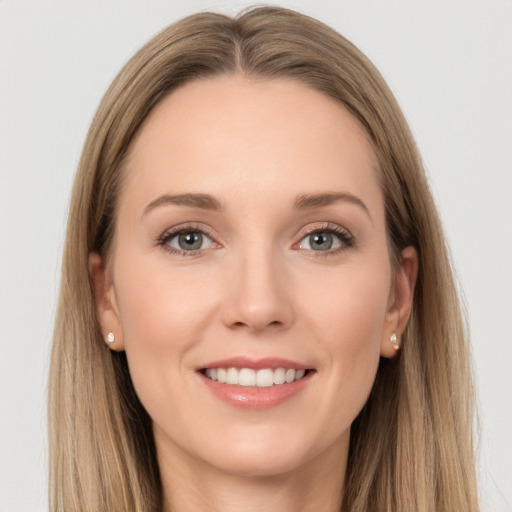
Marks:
<point>320,241</point>
<point>186,241</point>
<point>327,239</point>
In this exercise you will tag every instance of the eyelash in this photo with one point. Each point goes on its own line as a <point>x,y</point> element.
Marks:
<point>345,238</point>
<point>164,240</point>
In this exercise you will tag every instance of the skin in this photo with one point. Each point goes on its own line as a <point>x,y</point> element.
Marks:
<point>256,288</point>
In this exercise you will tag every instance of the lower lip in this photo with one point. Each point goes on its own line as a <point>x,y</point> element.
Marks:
<point>251,397</point>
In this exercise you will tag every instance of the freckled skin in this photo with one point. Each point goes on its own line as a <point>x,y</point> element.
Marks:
<point>254,290</point>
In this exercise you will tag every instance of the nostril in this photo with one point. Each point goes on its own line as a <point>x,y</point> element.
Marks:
<point>274,323</point>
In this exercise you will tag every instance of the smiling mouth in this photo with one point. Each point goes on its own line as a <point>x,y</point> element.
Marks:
<point>248,377</point>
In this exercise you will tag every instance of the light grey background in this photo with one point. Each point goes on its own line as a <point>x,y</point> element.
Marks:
<point>448,62</point>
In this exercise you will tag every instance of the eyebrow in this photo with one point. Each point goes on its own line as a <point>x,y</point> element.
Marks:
<point>310,201</point>
<point>208,202</point>
<point>202,201</point>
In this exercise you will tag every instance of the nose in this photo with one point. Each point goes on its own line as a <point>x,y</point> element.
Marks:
<point>260,296</point>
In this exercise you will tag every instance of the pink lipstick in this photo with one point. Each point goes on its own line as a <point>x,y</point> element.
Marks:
<point>255,383</point>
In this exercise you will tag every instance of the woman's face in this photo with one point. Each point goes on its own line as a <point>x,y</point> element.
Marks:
<point>251,247</point>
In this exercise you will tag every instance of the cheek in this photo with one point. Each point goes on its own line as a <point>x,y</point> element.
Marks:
<point>350,306</point>
<point>350,320</point>
<point>158,303</point>
<point>163,313</point>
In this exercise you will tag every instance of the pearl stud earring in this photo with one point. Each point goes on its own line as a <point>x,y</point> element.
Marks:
<point>394,341</point>
<point>110,337</point>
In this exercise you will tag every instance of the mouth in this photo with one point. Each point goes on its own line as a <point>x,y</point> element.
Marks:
<point>261,378</point>
<point>256,384</point>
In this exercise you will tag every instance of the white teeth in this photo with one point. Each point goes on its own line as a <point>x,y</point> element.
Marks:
<point>232,376</point>
<point>263,378</point>
<point>290,375</point>
<point>279,376</point>
<point>221,375</point>
<point>247,377</point>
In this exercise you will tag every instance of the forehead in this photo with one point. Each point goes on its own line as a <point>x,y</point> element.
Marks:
<point>230,134</point>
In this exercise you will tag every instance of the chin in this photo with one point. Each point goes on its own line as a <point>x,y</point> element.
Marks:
<point>270,453</point>
<point>262,463</point>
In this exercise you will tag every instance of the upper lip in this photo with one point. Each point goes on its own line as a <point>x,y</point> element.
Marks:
<point>255,364</point>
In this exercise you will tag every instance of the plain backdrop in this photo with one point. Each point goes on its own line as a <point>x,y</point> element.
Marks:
<point>448,62</point>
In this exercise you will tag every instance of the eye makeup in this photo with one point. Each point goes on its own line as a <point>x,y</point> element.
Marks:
<point>320,240</point>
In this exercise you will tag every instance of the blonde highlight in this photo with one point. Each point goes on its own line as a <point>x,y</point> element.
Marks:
<point>102,454</point>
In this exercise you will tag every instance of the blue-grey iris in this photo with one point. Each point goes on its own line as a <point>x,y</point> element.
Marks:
<point>190,241</point>
<point>320,241</point>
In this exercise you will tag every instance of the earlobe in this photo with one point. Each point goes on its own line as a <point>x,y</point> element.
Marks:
<point>401,304</point>
<point>106,305</point>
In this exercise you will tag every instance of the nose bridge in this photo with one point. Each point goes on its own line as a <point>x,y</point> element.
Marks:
<point>258,298</point>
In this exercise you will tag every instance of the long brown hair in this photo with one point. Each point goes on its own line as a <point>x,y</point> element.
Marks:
<point>411,445</point>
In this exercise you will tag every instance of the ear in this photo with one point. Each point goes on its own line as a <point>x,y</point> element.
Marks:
<point>106,304</point>
<point>401,301</point>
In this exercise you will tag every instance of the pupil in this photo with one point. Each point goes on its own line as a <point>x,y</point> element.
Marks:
<point>190,241</point>
<point>321,241</point>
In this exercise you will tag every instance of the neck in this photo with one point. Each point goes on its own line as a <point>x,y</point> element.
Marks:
<point>190,485</point>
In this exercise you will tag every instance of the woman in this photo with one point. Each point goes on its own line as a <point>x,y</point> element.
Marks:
<point>257,308</point>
